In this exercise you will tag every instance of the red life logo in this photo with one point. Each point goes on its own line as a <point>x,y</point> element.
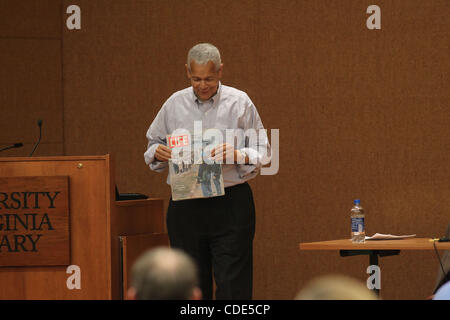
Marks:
<point>179,141</point>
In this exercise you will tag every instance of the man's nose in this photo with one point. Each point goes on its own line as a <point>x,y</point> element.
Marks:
<point>203,84</point>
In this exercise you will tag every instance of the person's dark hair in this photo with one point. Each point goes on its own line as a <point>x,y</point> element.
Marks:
<point>164,274</point>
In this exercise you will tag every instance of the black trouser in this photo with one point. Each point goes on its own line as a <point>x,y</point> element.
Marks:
<point>218,233</point>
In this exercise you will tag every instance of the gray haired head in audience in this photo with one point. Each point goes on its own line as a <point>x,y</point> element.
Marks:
<point>336,287</point>
<point>164,274</point>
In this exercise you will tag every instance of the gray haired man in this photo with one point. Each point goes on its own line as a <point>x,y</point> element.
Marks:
<point>164,274</point>
<point>217,232</point>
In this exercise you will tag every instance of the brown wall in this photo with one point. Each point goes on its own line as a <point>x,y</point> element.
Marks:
<point>30,76</point>
<point>362,113</point>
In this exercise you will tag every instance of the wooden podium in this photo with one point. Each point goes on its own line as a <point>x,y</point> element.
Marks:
<point>63,235</point>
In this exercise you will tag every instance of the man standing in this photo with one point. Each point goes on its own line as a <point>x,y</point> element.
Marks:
<point>217,232</point>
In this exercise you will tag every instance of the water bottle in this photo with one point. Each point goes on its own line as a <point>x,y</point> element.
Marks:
<point>357,218</point>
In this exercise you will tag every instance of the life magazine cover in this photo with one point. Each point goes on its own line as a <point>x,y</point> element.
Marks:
<point>190,176</point>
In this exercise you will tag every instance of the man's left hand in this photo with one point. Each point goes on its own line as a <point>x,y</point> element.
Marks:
<point>224,152</point>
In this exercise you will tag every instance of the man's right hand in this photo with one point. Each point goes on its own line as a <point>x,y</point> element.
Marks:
<point>163,153</point>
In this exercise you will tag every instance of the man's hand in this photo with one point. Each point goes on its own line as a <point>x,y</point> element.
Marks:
<point>224,152</point>
<point>163,153</point>
<point>227,154</point>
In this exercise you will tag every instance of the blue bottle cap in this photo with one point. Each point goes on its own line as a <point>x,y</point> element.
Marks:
<point>357,201</point>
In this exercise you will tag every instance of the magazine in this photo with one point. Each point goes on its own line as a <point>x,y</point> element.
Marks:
<point>189,175</point>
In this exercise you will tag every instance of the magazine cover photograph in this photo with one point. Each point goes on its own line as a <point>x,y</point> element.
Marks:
<point>190,176</point>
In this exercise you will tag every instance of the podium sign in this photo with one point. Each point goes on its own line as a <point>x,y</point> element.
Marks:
<point>34,221</point>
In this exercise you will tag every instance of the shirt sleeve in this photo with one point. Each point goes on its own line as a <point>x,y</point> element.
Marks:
<point>256,143</point>
<point>156,135</point>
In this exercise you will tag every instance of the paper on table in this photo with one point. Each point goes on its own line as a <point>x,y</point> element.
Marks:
<point>380,236</point>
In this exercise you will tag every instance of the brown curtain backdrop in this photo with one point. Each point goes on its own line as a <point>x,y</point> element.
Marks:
<point>361,113</point>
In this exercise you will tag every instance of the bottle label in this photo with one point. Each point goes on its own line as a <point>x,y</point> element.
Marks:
<point>357,224</point>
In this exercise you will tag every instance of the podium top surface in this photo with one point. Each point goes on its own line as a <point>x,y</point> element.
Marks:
<point>399,244</point>
<point>54,158</point>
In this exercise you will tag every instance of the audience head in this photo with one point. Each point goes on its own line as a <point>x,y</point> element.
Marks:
<point>336,287</point>
<point>164,274</point>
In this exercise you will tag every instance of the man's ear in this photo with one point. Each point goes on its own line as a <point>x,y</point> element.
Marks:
<point>131,294</point>
<point>219,72</point>
<point>188,72</point>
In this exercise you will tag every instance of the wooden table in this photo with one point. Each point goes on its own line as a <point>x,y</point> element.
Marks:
<point>375,248</point>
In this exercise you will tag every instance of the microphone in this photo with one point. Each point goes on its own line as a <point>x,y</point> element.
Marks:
<point>40,134</point>
<point>15,145</point>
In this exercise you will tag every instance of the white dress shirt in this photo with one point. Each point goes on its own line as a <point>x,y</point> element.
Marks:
<point>229,108</point>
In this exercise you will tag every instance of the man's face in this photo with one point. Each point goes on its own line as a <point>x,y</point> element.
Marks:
<point>204,79</point>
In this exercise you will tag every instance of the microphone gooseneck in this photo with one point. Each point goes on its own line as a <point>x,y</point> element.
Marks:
<point>40,135</point>
<point>15,145</point>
